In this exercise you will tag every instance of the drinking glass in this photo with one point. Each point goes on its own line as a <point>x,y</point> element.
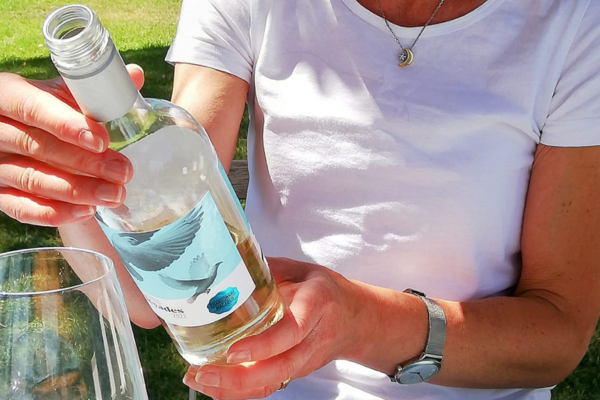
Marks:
<point>64,328</point>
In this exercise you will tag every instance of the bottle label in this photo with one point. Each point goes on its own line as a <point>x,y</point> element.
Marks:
<point>190,271</point>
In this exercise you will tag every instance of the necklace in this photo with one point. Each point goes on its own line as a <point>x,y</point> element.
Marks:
<point>405,58</point>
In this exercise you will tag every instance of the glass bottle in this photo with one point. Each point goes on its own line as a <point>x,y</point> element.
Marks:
<point>181,231</point>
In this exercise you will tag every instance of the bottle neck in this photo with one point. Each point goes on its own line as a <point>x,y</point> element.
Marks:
<point>132,126</point>
<point>93,70</point>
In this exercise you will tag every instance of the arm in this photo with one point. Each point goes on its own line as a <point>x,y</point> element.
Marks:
<point>541,334</point>
<point>216,99</point>
<point>538,336</point>
<point>531,339</point>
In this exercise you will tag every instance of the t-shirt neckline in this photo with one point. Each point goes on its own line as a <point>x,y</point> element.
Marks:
<point>432,30</point>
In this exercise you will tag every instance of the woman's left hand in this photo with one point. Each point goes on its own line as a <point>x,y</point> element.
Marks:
<point>313,331</point>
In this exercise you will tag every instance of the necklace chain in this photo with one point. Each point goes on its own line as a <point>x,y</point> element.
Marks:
<point>406,56</point>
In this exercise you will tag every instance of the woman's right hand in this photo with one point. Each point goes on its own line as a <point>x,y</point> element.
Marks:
<point>55,165</point>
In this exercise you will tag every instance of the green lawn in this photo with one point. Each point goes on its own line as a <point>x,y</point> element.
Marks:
<point>143,38</point>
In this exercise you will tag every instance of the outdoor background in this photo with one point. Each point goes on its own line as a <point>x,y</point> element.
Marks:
<point>142,30</point>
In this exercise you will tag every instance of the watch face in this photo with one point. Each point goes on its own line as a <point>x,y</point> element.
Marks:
<point>418,372</point>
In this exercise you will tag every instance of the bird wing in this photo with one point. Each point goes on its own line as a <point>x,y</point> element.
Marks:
<point>182,284</point>
<point>199,267</point>
<point>161,247</point>
<point>176,283</point>
<point>213,273</point>
<point>141,237</point>
<point>203,284</point>
<point>122,252</point>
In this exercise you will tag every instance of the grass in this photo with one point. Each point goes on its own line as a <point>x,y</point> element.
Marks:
<point>142,30</point>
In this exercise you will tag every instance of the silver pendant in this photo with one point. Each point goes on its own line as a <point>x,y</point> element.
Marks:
<point>405,58</point>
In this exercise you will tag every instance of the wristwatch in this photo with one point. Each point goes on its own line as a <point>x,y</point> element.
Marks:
<point>430,362</point>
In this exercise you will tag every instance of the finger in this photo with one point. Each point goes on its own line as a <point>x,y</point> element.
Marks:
<point>286,269</point>
<point>58,88</point>
<point>42,180</point>
<point>23,101</point>
<point>29,210</point>
<point>32,142</point>
<point>292,329</point>
<point>137,75</point>
<point>218,379</point>
<point>308,301</point>
<point>223,394</point>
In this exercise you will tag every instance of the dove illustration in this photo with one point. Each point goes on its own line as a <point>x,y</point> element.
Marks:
<point>201,285</point>
<point>156,250</point>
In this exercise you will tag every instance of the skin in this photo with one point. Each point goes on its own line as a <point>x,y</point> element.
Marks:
<point>531,339</point>
<point>411,13</point>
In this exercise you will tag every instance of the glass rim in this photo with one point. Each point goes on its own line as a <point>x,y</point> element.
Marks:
<point>58,12</point>
<point>109,262</point>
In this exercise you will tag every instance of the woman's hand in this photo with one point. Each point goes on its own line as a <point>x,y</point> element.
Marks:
<point>54,162</point>
<point>313,332</point>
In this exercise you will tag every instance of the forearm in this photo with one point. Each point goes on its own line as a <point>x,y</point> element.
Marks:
<point>216,99</point>
<point>89,235</point>
<point>499,342</point>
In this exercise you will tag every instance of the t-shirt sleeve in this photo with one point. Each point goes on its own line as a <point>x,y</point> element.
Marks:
<point>574,117</point>
<point>215,34</point>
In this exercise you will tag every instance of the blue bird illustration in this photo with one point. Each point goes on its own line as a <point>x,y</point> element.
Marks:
<point>202,285</point>
<point>156,250</point>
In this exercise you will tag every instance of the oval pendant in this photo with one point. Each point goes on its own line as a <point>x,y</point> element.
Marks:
<point>405,58</point>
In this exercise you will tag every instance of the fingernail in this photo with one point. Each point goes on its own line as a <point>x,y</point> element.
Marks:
<point>207,378</point>
<point>239,357</point>
<point>116,170</point>
<point>83,211</point>
<point>109,193</point>
<point>90,141</point>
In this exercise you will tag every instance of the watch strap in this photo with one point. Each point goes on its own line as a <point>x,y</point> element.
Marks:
<point>432,357</point>
<point>436,332</point>
<point>436,336</point>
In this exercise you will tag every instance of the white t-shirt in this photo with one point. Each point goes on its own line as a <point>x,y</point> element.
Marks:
<point>400,177</point>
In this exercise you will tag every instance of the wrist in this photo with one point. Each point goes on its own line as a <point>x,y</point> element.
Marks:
<point>359,321</point>
<point>389,327</point>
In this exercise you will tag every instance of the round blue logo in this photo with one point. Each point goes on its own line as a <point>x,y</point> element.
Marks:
<point>224,301</point>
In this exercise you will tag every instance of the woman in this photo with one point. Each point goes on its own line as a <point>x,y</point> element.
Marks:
<point>471,174</point>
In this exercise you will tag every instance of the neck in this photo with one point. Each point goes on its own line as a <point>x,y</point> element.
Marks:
<point>412,13</point>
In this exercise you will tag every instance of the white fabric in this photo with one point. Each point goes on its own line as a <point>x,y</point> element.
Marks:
<point>400,177</point>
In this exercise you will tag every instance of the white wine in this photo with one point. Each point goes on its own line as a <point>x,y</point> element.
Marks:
<point>208,343</point>
<point>181,231</point>
<point>202,230</point>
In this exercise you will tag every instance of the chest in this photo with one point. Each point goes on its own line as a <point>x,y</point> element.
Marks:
<point>343,73</point>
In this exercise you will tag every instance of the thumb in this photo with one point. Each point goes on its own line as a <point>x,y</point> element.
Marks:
<point>137,75</point>
<point>59,89</point>
<point>286,269</point>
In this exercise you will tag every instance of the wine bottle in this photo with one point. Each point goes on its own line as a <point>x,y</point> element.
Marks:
<point>181,231</point>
